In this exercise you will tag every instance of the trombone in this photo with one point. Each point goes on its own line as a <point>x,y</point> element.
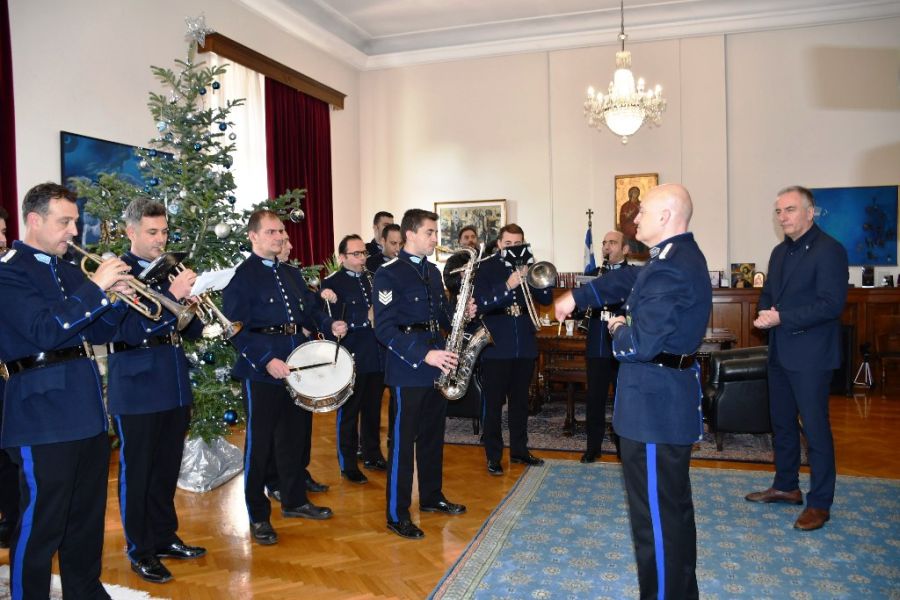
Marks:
<point>157,301</point>
<point>540,276</point>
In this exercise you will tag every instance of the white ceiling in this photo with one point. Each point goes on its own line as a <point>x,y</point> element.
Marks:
<point>373,34</point>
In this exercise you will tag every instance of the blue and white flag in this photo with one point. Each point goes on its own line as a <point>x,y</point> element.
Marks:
<point>589,263</point>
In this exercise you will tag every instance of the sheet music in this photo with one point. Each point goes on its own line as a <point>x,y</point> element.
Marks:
<point>212,281</point>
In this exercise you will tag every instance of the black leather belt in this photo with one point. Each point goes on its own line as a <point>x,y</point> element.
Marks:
<point>286,329</point>
<point>172,339</point>
<point>675,361</point>
<point>431,326</point>
<point>50,357</point>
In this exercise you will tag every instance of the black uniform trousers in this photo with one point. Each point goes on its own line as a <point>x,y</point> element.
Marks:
<point>149,462</point>
<point>63,502</point>
<point>804,393</point>
<point>418,434</point>
<point>658,484</point>
<point>505,380</point>
<point>601,371</point>
<point>9,490</point>
<point>276,427</point>
<point>352,422</point>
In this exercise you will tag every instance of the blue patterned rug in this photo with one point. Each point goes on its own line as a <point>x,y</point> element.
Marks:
<point>563,532</point>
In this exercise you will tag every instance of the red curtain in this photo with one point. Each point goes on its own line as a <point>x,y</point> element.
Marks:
<point>298,145</point>
<point>8,191</point>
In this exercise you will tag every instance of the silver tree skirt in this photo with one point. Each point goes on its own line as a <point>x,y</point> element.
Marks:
<point>207,466</point>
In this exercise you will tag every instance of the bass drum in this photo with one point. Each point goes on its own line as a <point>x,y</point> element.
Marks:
<point>327,384</point>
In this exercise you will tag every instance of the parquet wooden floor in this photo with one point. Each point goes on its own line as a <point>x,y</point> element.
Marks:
<point>353,556</point>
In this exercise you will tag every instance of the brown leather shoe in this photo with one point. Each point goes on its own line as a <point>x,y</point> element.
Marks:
<point>773,495</point>
<point>812,518</point>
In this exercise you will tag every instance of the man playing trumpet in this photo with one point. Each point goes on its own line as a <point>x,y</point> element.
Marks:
<point>151,420</point>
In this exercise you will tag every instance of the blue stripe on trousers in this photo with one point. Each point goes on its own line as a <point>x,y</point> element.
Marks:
<point>395,457</point>
<point>27,520</point>
<point>123,486</point>
<point>653,497</point>
<point>337,424</point>
<point>248,442</point>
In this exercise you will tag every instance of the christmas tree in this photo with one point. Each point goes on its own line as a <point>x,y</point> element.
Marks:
<point>187,168</point>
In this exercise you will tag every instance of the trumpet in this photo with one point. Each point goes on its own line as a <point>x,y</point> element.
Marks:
<point>541,275</point>
<point>157,301</point>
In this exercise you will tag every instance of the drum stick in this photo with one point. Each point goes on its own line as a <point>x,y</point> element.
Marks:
<point>312,366</point>
<point>337,347</point>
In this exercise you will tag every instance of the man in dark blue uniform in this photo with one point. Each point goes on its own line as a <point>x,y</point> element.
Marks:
<point>801,305</point>
<point>9,473</point>
<point>657,411</point>
<point>601,366</point>
<point>54,420</point>
<point>507,366</point>
<point>410,309</point>
<point>391,242</point>
<point>352,284</point>
<point>151,419</point>
<point>381,220</point>
<point>264,296</point>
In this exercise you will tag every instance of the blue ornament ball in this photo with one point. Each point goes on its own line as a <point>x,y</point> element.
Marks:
<point>209,358</point>
<point>202,91</point>
<point>197,146</point>
<point>151,152</point>
<point>230,417</point>
<point>216,85</point>
<point>244,247</point>
<point>176,236</point>
<point>153,181</point>
<point>223,126</point>
<point>232,199</point>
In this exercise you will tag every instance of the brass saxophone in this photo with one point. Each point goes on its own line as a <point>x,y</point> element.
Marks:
<point>453,385</point>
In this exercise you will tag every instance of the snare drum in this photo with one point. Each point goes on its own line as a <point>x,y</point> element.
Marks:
<point>328,383</point>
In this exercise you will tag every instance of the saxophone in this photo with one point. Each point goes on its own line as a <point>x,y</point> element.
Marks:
<point>453,385</point>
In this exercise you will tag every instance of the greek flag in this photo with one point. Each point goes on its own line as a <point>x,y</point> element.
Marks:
<point>589,263</point>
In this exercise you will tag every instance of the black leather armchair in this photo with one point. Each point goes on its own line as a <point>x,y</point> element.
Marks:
<point>736,397</point>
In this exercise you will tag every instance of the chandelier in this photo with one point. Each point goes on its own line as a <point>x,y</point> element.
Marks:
<point>625,107</point>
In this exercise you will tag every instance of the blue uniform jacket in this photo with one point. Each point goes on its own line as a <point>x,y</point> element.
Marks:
<point>810,296</point>
<point>47,304</point>
<point>154,379</point>
<point>354,292</point>
<point>374,262</point>
<point>668,311</point>
<point>408,290</point>
<point>611,290</point>
<point>513,336</point>
<point>266,293</point>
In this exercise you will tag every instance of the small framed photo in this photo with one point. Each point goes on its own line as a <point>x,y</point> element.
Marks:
<point>715,278</point>
<point>742,275</point>
<point>486,216</point>
<point>759,279</point>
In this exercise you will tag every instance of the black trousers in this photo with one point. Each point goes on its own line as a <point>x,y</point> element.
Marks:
<point>505,380</point>
<point>63,502</point>
<point>276,427</point>
<point>600,373</point>
<point>351,421</point>
<point>149,462</point>
<point>370,416</point>
<point>658,484</point>
<point>418,435</point>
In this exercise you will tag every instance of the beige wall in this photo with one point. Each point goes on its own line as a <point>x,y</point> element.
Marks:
<point>85,67</point>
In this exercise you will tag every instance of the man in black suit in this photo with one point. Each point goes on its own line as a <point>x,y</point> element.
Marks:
<point>381,220</point>
<point>801,305</point>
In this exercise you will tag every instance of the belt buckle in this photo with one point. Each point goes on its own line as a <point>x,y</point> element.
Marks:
<point>175,338</point>
<point>290,328</point>
<point>514,310</point>
<point>4,371</point>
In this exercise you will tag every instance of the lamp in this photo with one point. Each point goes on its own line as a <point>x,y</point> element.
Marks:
<point>625,107</point>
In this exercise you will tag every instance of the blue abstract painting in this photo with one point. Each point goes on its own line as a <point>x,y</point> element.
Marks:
<point>863,219</point>
<point>88,157</point>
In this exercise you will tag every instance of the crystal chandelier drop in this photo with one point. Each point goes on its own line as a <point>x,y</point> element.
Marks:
<point>625,107</point>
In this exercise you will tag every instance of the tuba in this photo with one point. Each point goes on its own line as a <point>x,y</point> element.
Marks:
<point>453,385</point>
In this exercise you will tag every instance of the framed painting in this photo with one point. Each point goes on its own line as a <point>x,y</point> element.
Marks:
<point>863,219</point>
<point>88,157</point>
<point>629,189</point>
<point>486,216</point>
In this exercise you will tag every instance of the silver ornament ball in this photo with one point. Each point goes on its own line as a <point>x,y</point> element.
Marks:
<point>296,215</point>
<point>223,230</point>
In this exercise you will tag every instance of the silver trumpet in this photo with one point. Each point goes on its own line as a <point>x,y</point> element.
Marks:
<point>157,301</point>
<point>540,276</point>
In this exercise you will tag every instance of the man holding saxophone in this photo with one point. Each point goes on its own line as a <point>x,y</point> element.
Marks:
<point>151,420</point>
<point>507,366</point>
<point>410,310</point>
<point>54,421</point>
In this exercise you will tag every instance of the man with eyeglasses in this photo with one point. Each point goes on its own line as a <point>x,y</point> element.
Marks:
<point>360,416</point>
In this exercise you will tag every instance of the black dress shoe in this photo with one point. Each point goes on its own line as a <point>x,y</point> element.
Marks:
<point>274,494</point>
<point>355,477</point>
<point>307,511</point>
<point>180,550</point>
<point>314,486</point>
<point>445,507</point>
<point>263,533</point>
<point>150,569</point>
<point>528,459</point>
<point>589,456</point>
<point>406,529</point>
<point>379,464</point>
<point>495,468</point>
